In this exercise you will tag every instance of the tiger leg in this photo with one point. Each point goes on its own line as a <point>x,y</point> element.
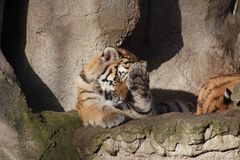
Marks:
<point>138,84</point>
<point>105,117</point>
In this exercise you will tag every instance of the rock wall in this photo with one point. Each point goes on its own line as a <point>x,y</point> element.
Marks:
<point>62,36</point>
<point>10,99</point>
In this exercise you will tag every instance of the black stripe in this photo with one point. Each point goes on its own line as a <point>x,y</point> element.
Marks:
<point>126,67</point>
<point>168,107</point>
<point>84,77</point>
<point>89,98</point>
<point>215,88</point>
<point>215,109</point>
<point>123,106</point>
<point>103,71</point>
<point>216,98</point>
<point>115,77</point>
<point>208,108</point>
<point>179,107</point>
<point>138,110</point>
<point>114,97</point>
<point>86,92</point>
<point>110,72</point>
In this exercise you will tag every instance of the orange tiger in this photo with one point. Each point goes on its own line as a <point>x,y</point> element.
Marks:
<point>113,88</point>
<point>220,93</point>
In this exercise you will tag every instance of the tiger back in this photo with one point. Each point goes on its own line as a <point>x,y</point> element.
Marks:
<point>215,95</point>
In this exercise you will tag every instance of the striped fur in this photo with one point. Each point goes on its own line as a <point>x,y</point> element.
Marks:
<point>104,94</point>
<point>211,96</point>
<point>176,106</point>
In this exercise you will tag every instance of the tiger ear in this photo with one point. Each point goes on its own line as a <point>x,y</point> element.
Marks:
<point>109,54</point>
<point>227,94</point>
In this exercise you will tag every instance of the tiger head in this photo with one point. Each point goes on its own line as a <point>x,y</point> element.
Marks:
<point>108,71</point>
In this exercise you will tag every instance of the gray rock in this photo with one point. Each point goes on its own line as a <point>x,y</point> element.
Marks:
<point>168,136</point>
<point>10,98</point>
<point>10,101</point>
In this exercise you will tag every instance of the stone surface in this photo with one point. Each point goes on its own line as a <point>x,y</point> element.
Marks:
<point>10,98</point>
<point>9,148</point>
<point>49,135</point>
<point>10,101</point>
<point>167,136</point>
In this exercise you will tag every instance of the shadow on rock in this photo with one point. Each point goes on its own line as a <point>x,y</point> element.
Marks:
<point>39,96</point>
<point>157,37</point>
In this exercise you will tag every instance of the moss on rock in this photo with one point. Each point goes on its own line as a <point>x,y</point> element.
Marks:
<point>48,135</point>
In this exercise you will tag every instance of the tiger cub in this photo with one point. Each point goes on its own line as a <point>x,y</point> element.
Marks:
<point>219,94</point>
<point>113,88</point>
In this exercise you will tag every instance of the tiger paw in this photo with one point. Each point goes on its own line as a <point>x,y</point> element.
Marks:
<point>113,120</point>
<point>138,76</point>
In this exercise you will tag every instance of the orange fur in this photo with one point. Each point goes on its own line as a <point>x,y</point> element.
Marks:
<point>92,106</point>
<point>211,95</point>
<point>122,90</point>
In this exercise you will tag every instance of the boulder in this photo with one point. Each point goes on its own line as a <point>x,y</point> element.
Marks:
<point>10,101</point>
<point>167,136</point>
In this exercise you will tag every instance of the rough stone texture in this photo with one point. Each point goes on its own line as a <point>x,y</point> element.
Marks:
<point>186,42</point>
<point>168,136</point>
<point>49,135</point>
<point>62,36</point>
<point>10,98</point>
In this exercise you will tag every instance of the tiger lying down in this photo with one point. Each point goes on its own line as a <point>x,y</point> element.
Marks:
<point>113,88</point>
